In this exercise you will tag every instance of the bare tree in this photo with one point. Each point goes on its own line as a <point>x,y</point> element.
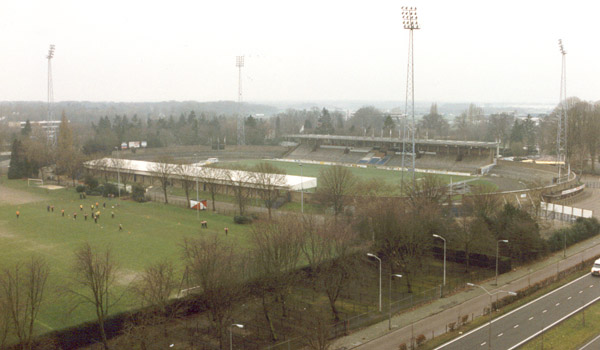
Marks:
<point>239,181</point>
<point>124,175</point>
<point>163,170</point>
<point>268,179</point>
<point>472,234</point>
<point>213,177</point>
<point>314,236</point>
<point>276,249</point>
<point>335,184</point>
<point>218,272</point>
<point>95,276</point>
<point>187,175</point>
<point>22,288</point>
<point>316,329</point>
<point>340,266</point>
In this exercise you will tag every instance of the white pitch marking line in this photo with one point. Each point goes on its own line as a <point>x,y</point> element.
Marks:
<point>516,326</point>
<point>531,318</point>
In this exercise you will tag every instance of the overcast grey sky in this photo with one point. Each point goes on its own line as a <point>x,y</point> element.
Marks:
<point>480,51</point>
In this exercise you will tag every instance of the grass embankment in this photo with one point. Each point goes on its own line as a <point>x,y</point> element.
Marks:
<point>151,232</point>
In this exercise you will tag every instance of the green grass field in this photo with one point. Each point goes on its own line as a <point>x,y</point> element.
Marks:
<point>151,232</point>
<point>392,177</point>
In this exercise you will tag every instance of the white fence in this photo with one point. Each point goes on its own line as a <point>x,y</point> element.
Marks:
<point>563,212</point>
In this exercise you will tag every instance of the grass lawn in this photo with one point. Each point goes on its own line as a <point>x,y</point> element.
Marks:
<point>151,232</point>
<point>392,177</point>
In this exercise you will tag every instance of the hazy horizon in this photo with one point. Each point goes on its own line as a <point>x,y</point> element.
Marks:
<point>466,51</point>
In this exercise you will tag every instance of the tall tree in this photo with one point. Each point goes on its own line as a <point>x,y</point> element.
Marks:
<point>95,276</point>
<point>163,170</point>
<point>268,179</point>
<point>22,289</point>
<point>325,124</point>
<point>336,183</point>
<point>65,148</point>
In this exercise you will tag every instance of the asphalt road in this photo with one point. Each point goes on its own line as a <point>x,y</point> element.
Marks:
<point>524,323</point>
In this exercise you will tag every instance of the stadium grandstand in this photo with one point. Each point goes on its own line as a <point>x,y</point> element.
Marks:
<point>473,157</point>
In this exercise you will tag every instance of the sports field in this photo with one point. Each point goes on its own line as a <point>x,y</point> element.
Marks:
<point>392,177</point>
<point>151,232</point>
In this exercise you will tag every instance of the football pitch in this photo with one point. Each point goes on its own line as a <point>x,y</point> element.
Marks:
<point>152,232</point>
<point>392,177</point>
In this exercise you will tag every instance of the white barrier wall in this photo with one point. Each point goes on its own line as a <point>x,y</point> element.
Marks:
<point>563,212</point>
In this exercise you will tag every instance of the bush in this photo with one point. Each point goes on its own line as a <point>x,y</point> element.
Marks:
<point>91,182</point>
<point>110,189</point>
<point>138,193</point>
<point>242,220</point>
<point>80,188</point>
<point>582,229</point>
<point>421,339</point>
<point>402,346</point>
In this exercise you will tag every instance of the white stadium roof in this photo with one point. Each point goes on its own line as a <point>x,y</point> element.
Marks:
<point>141,167</point>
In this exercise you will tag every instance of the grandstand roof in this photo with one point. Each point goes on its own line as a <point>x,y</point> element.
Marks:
<point>224,176</point>
<point>481,144</point>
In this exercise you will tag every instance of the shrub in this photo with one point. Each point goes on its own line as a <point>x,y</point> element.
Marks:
<point>242,220</point>
<point>110,189</point>
<point>581,229</point>
<point>80,188</point>
<point>451,326</point>
<point>90,181</point>
<point>402,346</point>
<point>465,319</point>
<point>138,193</point>
<point>421,339</point>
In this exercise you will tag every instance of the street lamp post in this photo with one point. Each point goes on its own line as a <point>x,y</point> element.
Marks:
<point>376,257</point>
<point>497,248</point>
<point>390,299</point>
<point>197,196</point>
<point>440,237</point>
<point>231,334</point>
<point>301,189</point>
<point>490,321</point>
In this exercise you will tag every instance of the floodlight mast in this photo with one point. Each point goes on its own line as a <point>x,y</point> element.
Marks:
<point>410,22</point>
<point>561,130</point>
<point>49,117</point>
<point>241,139</point>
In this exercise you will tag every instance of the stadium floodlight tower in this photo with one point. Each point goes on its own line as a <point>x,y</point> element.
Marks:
<point>410,22</point>
<point>561,130</point>
<point>51,131</point>
<point>241,137</point>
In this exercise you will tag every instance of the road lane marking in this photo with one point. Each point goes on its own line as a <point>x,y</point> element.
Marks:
<point>501,334</point>
<point>511,312</point>
<point>591,285</point>
<point>569,298</point>
<point>531,318</point>
<point>482,344</point>
<point>553,324</point>
<point>544,311</point>
<point>580,291</point>
<point>516,326</point>
<point>557,304</point>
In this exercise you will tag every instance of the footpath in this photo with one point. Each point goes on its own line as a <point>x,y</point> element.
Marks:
<point>432,319</point>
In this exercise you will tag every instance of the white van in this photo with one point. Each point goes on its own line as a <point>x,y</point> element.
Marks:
<point>596,268</point>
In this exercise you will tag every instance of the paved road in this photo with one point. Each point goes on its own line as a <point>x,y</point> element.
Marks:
<point>518,326</point>
<point>592,344</point>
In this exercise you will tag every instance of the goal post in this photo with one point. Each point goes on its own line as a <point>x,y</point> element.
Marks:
<point>36,182</point>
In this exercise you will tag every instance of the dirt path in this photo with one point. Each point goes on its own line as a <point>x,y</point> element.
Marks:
<point>10,196</point>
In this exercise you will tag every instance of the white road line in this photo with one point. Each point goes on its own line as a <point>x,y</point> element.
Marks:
<point>482,344</point>
<point>580,291</point>
<point>591,285</point>
<point>544,311</point>
<point>501,334</point>
<point>516,326</point>
<point>586,345</point>
<point>569,298</point>
<point>554,324</point>
<point>509,313</point>
<point>531,318</point>
<point>557,304</point>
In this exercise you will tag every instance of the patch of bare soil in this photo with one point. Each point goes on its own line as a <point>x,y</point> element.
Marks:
<point>11,196</point>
